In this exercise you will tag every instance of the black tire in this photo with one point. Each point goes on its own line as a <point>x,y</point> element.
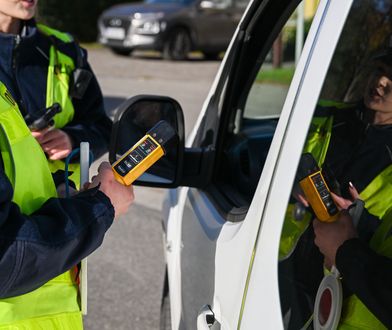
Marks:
<point>121,51</point>
<point>211,56</point>
<point>177,45</point>
<point>165,319</point>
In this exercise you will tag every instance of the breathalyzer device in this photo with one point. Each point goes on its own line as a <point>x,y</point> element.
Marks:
<point>144,153</point>
<point>46,120</point>
<point>316,190</point>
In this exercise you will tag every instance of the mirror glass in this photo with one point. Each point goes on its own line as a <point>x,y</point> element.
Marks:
<point>135,122</point>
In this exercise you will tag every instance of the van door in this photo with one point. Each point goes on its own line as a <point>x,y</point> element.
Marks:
<point>347,51</point>
<point>211,233</point>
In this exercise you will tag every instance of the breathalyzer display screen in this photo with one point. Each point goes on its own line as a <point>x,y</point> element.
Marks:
<point>135,156</point>
<point>324,194</point>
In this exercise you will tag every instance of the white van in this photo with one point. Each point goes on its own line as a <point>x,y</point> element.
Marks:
<point>231,181</point>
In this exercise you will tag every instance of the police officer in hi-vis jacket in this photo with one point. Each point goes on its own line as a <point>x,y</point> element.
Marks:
<point>43,237</point>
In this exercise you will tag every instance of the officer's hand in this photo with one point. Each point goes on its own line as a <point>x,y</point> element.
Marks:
<point>344,204</point>
<point>330,236</point>
<point>328,263</point>
<point>61,191</point>
<point>299,195</point>
<point>301,198</point>
<point>120,195</point>
<point>56,143</point>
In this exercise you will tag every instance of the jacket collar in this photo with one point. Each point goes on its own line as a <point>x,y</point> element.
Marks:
<point>27,34</point>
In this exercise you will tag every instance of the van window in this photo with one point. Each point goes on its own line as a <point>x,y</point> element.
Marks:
<point>350,139</point>
<point>254,118</point>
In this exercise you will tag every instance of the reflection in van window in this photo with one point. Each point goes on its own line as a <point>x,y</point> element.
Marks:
<point>350,139</point>
<point>269,90</point>
<point>253,123</point>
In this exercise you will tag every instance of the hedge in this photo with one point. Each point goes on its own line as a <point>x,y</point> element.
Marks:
<point>78,17</point>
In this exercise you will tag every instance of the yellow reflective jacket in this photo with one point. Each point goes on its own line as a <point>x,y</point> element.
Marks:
<point>55,304</point>
<point>377,195</point>
<point>378,199</point>
<point>60,70</point>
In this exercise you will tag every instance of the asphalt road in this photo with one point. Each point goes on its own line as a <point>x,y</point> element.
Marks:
<point>126,273</point>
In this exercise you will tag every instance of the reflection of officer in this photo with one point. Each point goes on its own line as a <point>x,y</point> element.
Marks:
<point>348,139</point>
<point>147,114</point>
<point>366,268</point>
<point>142,118</point>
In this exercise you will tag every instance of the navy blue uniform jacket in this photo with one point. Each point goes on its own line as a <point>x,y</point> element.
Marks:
<point>36,248</point>
<point>23,69</point>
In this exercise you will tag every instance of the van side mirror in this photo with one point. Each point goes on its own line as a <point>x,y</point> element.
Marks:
<point>133,119</point>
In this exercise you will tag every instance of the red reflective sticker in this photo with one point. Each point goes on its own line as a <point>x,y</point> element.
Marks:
<point>325,306</point>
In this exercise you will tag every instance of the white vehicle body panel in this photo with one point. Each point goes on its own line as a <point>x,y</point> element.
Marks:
<point>262,305</point>
<point>173,252</point>
<point>177,199</point>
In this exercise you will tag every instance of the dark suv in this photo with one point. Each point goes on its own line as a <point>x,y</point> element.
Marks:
<point>174,27</point>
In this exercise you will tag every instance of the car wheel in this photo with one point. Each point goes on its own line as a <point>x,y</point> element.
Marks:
<point>178,45</point>
<point>121,51</point>
<point>211,55</point>
<point>165,319</point>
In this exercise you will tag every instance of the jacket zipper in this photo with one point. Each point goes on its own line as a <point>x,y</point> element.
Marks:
<point>17,42</point>
<point>14,68</point>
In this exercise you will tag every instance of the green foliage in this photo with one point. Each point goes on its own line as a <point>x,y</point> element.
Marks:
<point>281,76</point>
<point>78,17</point>
<point>289,40</point>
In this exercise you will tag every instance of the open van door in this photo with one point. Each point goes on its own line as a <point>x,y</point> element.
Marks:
<point>212,230</point>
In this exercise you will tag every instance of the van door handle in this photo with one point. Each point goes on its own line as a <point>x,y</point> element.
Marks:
<point>206,319</point>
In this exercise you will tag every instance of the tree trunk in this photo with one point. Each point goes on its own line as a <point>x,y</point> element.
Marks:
<point>277,52</point>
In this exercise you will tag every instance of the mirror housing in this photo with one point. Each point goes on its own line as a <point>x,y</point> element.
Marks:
<point>133,119</point>
<point>191,167</point>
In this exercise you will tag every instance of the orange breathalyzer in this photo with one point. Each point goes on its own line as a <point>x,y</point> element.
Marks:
<point>144,153</point>
<point>316,190</point>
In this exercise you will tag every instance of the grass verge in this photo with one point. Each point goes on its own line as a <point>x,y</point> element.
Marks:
<point>280,76</point>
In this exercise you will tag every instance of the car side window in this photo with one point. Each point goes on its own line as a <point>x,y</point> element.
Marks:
<point>253,122</point>
<point>346,148</point>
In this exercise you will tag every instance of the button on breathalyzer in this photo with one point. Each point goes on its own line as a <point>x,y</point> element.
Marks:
<point>316,190</point>
<point>144,153</point>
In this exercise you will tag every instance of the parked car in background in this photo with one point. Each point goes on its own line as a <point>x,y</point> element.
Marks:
<point>174,27</point>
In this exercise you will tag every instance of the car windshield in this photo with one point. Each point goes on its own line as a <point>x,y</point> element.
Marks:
<point>182,2</point>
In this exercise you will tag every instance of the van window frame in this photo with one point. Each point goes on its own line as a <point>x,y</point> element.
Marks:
<point>234,87</point>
